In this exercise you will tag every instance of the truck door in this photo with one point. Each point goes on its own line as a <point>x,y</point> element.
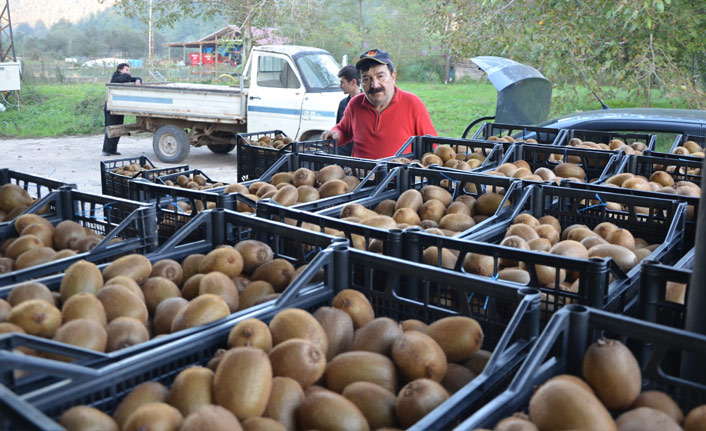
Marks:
<point>275,95</point>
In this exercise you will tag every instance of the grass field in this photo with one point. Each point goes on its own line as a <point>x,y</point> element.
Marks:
<point>77,109</point>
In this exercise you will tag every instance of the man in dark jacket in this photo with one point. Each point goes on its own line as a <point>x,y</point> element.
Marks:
<point>350,85</point>
<point>121,75</point>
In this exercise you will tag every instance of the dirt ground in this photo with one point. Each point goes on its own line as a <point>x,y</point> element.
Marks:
<point>77,159</point>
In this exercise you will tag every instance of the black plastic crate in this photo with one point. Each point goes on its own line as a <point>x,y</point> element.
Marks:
<point>663,225</point>
<point>561,348</point>
<point>217,227</point>
<point>253,160</point>
<point>417,146</point>
<point>507,315</point>
<point>36,186</point>
<point>602,137</point>
<point>543,135</point>
<point>596,164</point>
<point>681,139</point>
<point>131,223</point>
<point>162,179</point>
<point>654,304</point>
<point>118,185</point>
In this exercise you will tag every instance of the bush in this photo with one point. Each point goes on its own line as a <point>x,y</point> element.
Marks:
<point>429,69</point>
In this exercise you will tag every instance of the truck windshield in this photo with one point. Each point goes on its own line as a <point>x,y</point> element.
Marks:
<point>319,71</point>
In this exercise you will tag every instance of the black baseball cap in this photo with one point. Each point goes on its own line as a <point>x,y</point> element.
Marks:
<point>376,55</point>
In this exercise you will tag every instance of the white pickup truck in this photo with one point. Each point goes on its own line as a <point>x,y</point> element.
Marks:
<point>289,88</point>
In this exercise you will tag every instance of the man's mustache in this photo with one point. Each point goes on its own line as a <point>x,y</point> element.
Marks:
<point>376,90</point>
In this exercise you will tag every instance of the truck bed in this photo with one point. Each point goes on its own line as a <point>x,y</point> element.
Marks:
<point>192,102</point>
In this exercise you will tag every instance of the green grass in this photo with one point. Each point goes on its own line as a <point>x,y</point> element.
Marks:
<point>77,109</point>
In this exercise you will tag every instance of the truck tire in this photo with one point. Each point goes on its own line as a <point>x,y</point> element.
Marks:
<point>221,148</point>
<point>171,144</point>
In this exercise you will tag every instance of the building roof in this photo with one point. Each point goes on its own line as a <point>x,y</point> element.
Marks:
<point>261,36</point>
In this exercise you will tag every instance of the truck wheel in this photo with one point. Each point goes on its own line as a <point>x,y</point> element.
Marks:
<point>171,144</point>
<point>221,148</point>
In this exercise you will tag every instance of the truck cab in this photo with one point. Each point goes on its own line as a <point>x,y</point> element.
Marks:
<point>291,88</point>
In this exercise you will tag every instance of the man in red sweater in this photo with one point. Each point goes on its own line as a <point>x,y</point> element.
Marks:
<point>381,119</point>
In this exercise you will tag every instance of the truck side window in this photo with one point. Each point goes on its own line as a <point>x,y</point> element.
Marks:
<point>275,72</point>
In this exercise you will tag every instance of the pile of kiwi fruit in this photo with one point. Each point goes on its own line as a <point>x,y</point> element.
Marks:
<point>132,169</point>
<point>616,144</point>
<point>431,208</point>
<point>133,300</point>
<point>510,139</point>
<point>193,182</point>
<point>14,200</point>
<point>520,169</point>
<point>40,242</point>
<point>279,141</point>
<point>610,385</point>
<point>340,367</point>
<point>689,148</point>
<point>462,158</point>
<point>300,186</point>
<point>547,236</point>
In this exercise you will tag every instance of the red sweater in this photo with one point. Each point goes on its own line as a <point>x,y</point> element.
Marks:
<point>381,135</point>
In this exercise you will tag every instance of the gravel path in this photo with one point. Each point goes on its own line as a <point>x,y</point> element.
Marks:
<point>77,159</point>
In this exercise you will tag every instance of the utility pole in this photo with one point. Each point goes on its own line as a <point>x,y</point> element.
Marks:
<point>150,51</point>
<point>7,45</point>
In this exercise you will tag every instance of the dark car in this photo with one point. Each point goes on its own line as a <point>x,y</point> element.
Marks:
<point>524,96</point>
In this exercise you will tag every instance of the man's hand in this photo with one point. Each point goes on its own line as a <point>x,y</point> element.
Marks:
<point>331,134</point>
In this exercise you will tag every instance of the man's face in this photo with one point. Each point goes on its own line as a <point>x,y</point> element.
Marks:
<point>349,87</point>
<point>379,85</point>
<point>125,69</point>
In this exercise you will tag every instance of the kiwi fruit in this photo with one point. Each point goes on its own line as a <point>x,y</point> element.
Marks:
<point>23,244</point>
<point>190,265</point>
<point>659,400</point>
<point>376,403</point>
<point>304,177</point>
<point>25,220</point>
<point>435,192</point>
<point>254,253</point>
<point>36,317</point>
<point>479,264</point>
<point>169,269</point>
<point>223,259</point>
<point>165,312</point>
<point>81,276</point>
<point>456,222</point>
<point>517,422</point>
<point>696,419</point>
<point>66,232</point>
<point>296,323</point>
<point>156,290</point>
<point>622,256</point>
<point>210,417</point>
<point>34,257</point>
<point>128,283</point>
<point>156,415</point>
<point>456,377</point>
<point>646,418</point>
<point>431,256</point>
<point>385,207</point>
<point>411,198</point>
<point>460,337</point>
<point>43,232</point>
<point>613,373</point>
<point>253,293</point>
<point>5,308</point>
<point>29,290</point>
<point>119,301</point>
<point>262,424</point>
<point>285,398</point>
<point>190,290</point>
<point>125,332</point>
<point>328,173</point>
<point>191,390</point>
<point>357,366</point>
<point>277,272</point>
<point>204,309</point>
<point>325,410</point>
<point>356,305</point>
<point>338,326</point>
<point>251,333</point>
<point>135,266</point>
<point>220,284</point>
<point>144,393</point>
<point>488,203</point>
<point>298,359</point>
<point>84,305</point>
<point>85,333</point>
<point>333,188</point>
<point>562,404</point>
<point>622,237</point>
<point>377,336</point>
<point>243,382</point>
<point>84,418</point>
<point>418,355</point>
<point>417,398</point>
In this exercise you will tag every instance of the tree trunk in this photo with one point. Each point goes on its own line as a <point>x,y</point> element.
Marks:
<point>247,38</point>
<point>447,69</point>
